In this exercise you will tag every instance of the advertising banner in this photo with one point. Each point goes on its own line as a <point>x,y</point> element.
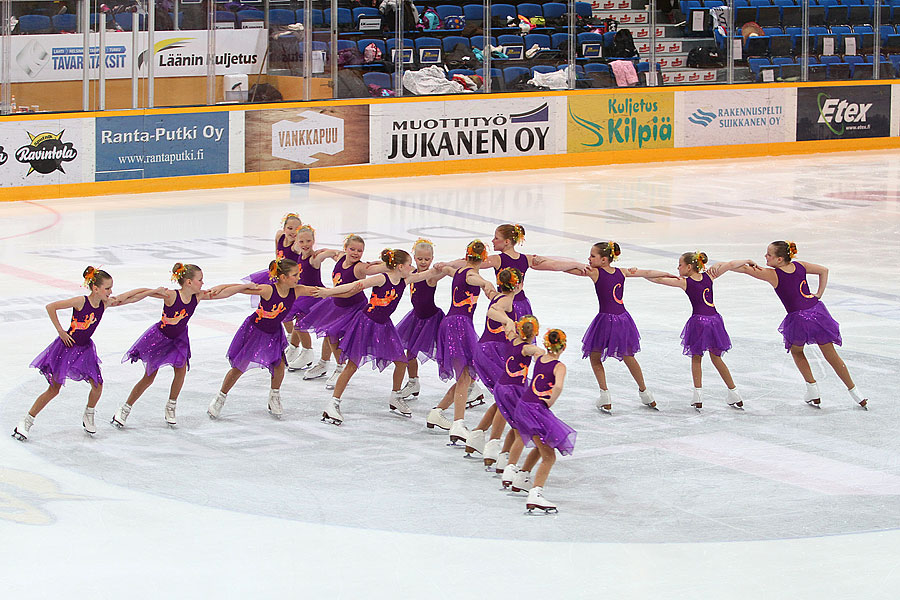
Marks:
<point>713,118</point>
<point>832,113</point>
<point>427,131</point>
<point>44,152</point>
<point>293,138</point>
<point>159,145</point>
<point>60,57</point>
<point>624,121</point>
<point>895,110</point>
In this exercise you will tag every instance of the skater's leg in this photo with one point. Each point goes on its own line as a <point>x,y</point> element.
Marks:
<point>599,371</point>
<point>497,425</point>
<point>533,457</point>
<point>635,369</point>
<point>460,394</point>
<point>722,368</point>
<point>509,441</point>
<point>303,338</point>
<point>278,375</point>
<point>140,387</point>
<point>548,457</point>
<point>289,328</point>
<point>697,370</point>
<point>177,382</point>
<point>515,452</point>
<point>94,394</point>
<point>412,368</point>
<point>487,419</point>
<point>231,378</point>
<point>341,385</point>
<point>399,372</point>
<point>326,349</point>
<point>43,399</point>
<point>802,363</point>
<point>447,400</point>
<point>333,343</point>
<point>837,363</point>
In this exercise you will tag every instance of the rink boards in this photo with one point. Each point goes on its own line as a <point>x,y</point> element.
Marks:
<point>46,156</point>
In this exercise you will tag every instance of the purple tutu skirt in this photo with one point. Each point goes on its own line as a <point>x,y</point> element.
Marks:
<point>705,332</point>
<point>328,319</point>
<point>611,335</point>
<point>536,419</point>
<point>78,363</point>
<point>365,340</point>
<point>253,346</point>
<point>489,361</point>
<point>457,344</point>
<point>302,306</point>
<point>259,278</point>
<point>506,397</point>
<point>419,336</point>
<point>813,325</point>
<point>156,350</point>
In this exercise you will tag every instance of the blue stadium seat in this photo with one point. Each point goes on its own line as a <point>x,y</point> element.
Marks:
<point>282,16</point>
<point>66,22</point>
<point>35,24</point>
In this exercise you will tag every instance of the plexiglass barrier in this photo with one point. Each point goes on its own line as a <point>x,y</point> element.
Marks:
<point>89,55</point>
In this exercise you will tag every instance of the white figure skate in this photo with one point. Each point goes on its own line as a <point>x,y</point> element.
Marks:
<point>317,370</point>
<point>215,407</point>
<point>410,389</point>
<point>491,453</point>
<point>604,402</point>
<point>812,396</point>
<point>521,481</point>
<point>697,401</point>
<point>475,443</point>
<point>475,397</point>
<point>22,429</point>
<point>170,412</point>
<point>332,413</point>
<point>647,399</point>
<point>121,415</point>
<point>537,501</point>
<point>332,381</point>
<point>398,405</point>
<point>735,400</point>
<point>509,471</point>
<point>275,407</point>
<point>303,360</point>
<point>458,433</point>
<point>437,419</point>
<point>87,421</point>
<point>862,402</point>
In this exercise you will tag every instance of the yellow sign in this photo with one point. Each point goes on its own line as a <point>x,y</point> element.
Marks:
<point>625,121</point>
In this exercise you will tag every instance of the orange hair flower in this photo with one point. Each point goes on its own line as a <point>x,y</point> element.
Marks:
<point>560,343</point>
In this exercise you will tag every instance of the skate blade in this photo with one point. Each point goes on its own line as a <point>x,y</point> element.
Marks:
<point>606,411</point>
<point>413,396</point>
<point>864,404</point>
<point>817,403</point>
<point>469,456</point>
<point>305,378</point>
<point>293,369</point>
<point>530,508</point>
<point>116,424</point>
<point>736,405</point>
<point>453,442</point>
<point>171,425</point>
<point>471,450</point>
<point>652,406</point>
<point>402,414</point>
<point>506,486</point>
<point>698,407</point>
<point>475,403</point>
<point>488,462</point>
<point>211,416</point>
<point>18,436</point>
<point>432,426</point>
<point>330,420</point>
<point>90,433</point>
<point>515,489</point>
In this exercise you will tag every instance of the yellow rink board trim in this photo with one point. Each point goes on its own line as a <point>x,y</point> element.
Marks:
<point>476,165</point>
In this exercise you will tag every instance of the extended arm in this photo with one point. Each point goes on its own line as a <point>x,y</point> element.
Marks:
<point>225,290</point>
<point>671,280</point>
<point>533,350</point>
<point>319,256</point>
<point>76,302</point>
<point>646,273</point>
<point>132,296</point>
<point>566,265</point>
<point>473,278</point>
<point>821,271</point>
<point>349,289</point>
<point>747,267</point>
<point>430,274</point>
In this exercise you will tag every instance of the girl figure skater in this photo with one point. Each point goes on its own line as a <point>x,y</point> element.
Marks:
<point>457,341</point>
<point>330,318</point>
<point>613,332</point>
<point>493,347</point>
<point>166,342</point>
<point>73,355</point>
<point>310,262</point>
<point>705,329</point>
<point>807,320</point>
<point>419,328</point>
<point>536,423</point>
<point>260,340</point>
<point>370,335</point>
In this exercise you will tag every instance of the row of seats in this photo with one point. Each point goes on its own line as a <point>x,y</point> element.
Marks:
<point>789,41</point>
<point>785,13</point>
<point>32,24</point>
<point>825,68</point>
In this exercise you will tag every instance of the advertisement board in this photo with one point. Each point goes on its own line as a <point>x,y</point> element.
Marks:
<point>292,138</point>
<point>60,57</point>
<point>895,110</point>
<point>833,113</point>
<point>625,121</point>
<point>45,152</point>
<point>161,145</point>
<point>714,118</point>
<point>427,131</point>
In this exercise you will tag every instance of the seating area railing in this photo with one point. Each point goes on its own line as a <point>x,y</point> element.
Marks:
<point>87,55</point>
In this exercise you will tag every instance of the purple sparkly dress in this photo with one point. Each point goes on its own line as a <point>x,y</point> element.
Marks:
<point>311,276</point>
<point>371,335</point>
<point>807,320</point>
<point>332,316</point>
<point>511,384</point>
<point>612,332</point>
<point>80,361</point>
<point>457,342</point>
<point>534,418</point>
<point>492,348</point>
<point>705,329</point>
<point>260,340</point>
<point>166,342</point>
<point>281,251</point>
<point>419,328</point>
<point>520,302</point>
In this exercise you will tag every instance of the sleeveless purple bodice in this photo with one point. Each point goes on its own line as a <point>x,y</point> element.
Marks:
<point>793,289</point>
<point>175,318</point>
<point>384,300</point>
<point>610,288</point>
<point>700,294</point>
<point>463,297</point>
<point>422,297</point>
<point>341,275</point>
<point>542,382</point>
<point>520,263</point>
<point>272,312</point>
<point>309,275</point>
<point>285,251</point>
<point>515,371</point>
<point>84,322</point>
<point>493,330</point>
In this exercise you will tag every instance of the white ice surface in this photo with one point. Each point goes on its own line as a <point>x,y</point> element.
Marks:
<point>781,501</point>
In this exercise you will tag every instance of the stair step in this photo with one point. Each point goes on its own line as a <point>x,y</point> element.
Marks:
<point>689,76</point>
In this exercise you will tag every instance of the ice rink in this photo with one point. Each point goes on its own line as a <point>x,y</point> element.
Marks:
<point>778,501</point>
